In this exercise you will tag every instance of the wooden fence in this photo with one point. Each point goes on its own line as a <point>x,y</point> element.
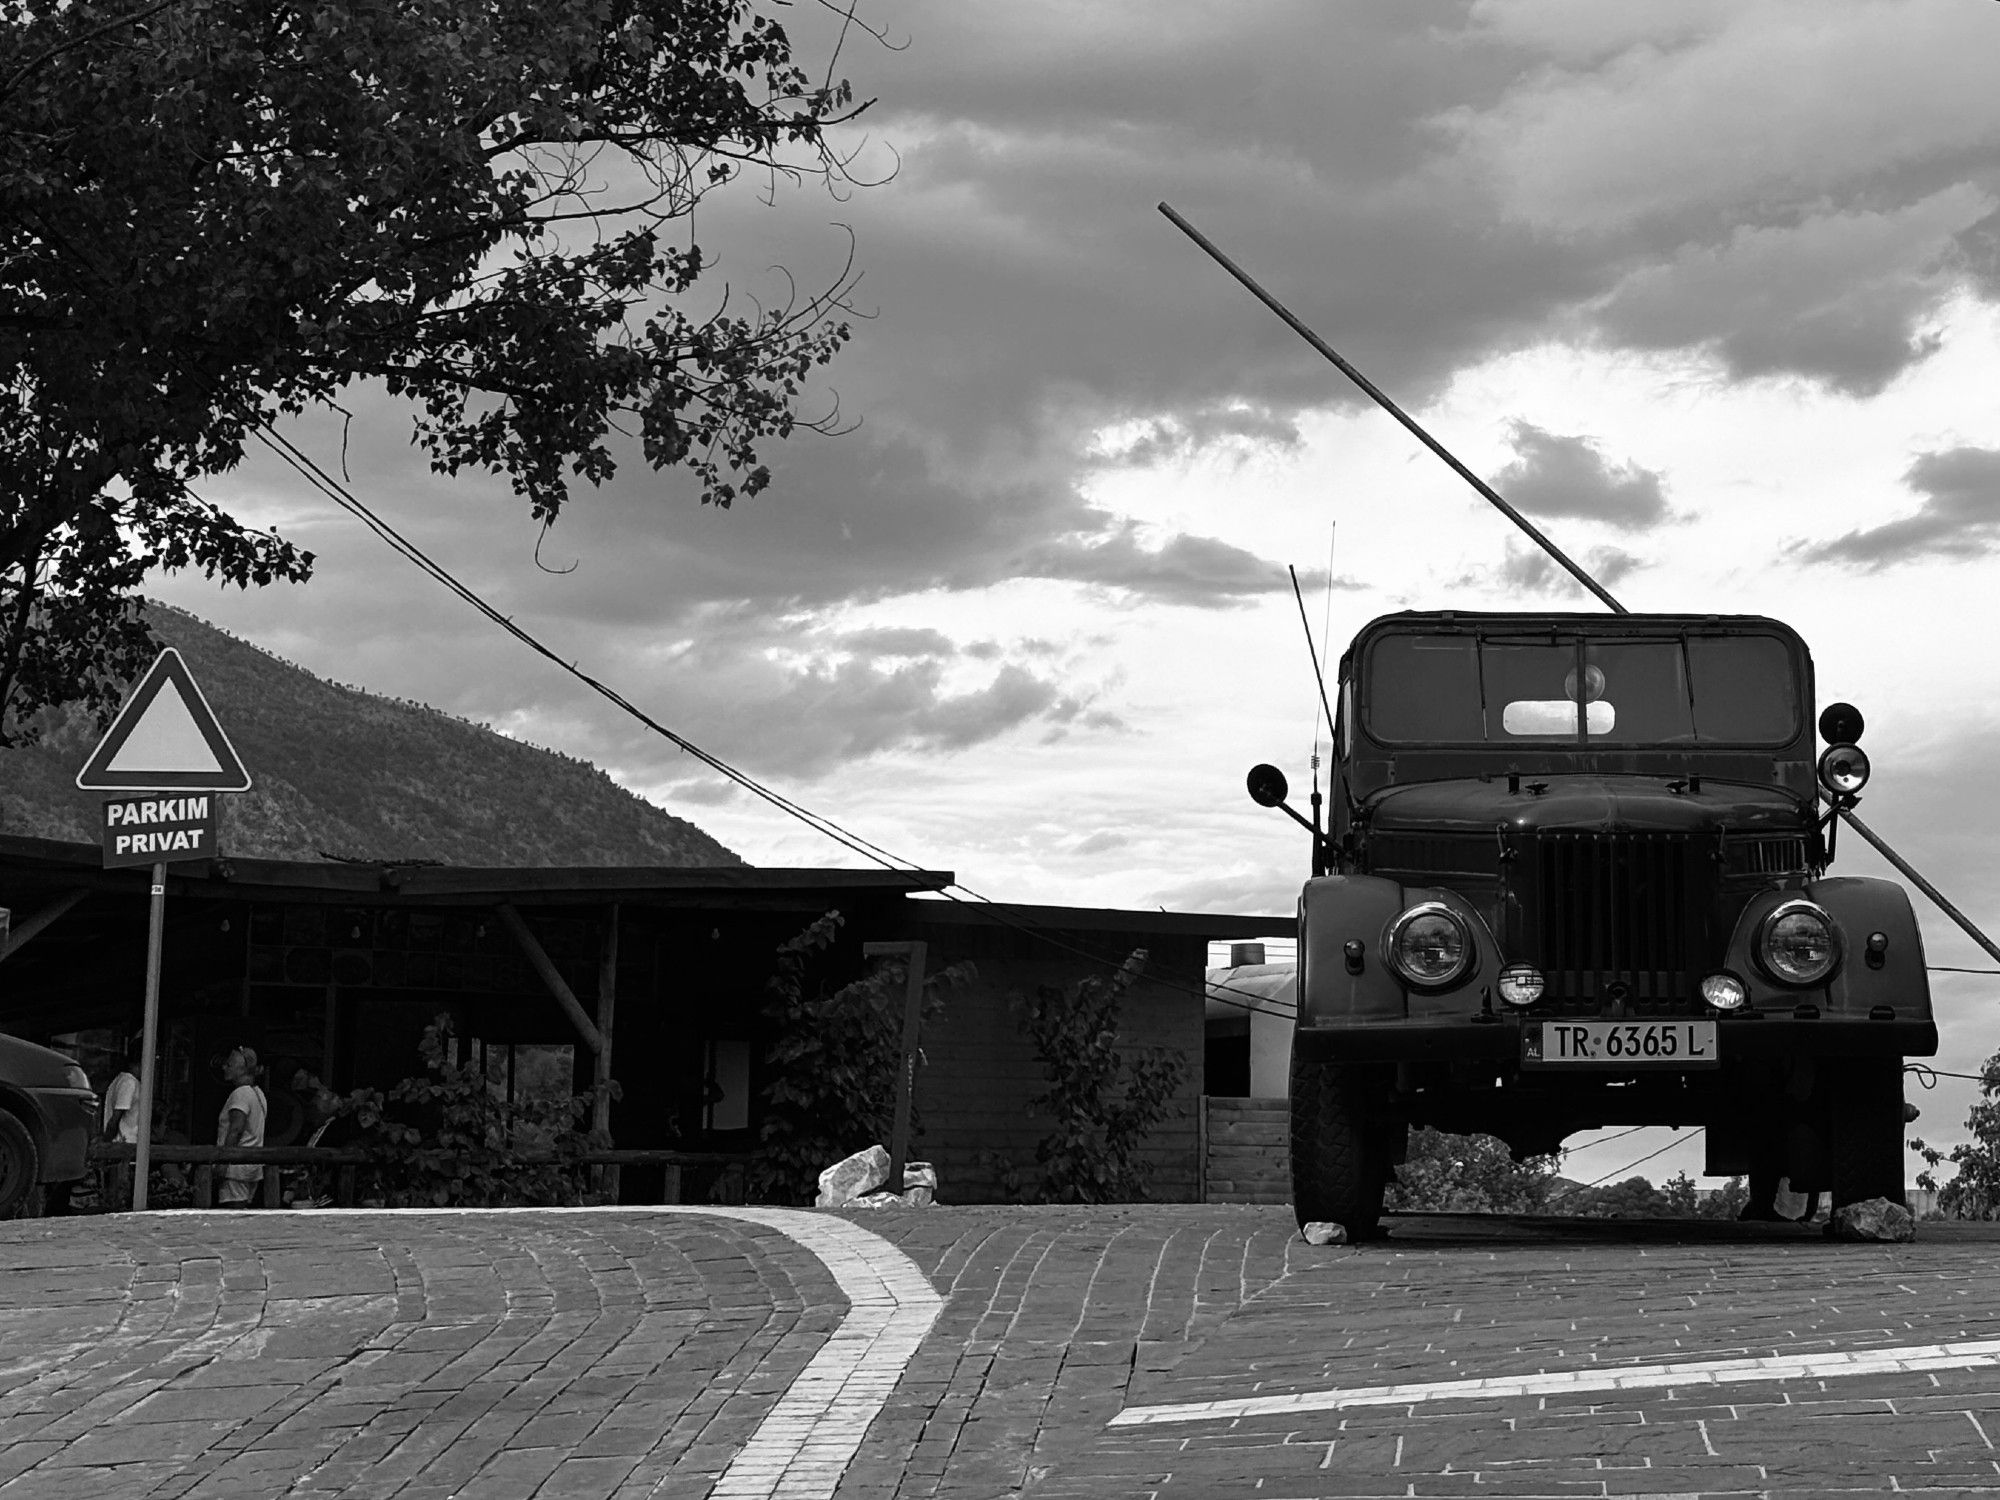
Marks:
<point>345,1164</point>
<point>1246,1147</point>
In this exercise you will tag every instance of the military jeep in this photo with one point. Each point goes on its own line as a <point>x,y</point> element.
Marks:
<point>1573,875</point>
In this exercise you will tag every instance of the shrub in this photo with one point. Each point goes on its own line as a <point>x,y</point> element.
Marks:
<point>1102,1102</point>
<point>834,1061</point>
<point>446,1139</point>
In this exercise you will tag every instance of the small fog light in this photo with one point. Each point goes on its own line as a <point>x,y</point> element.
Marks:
<point>1521,984</point>
<point>1843,769</point>
<point>1724,991</point>
<point>1352,950</point>
<point>1878,946</point>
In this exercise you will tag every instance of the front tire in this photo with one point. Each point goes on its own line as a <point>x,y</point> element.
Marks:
<point>20,1164</point>
<point>1340,1166</point>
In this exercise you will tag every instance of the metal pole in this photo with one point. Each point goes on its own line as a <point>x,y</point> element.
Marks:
<point>150,1035</point>
<point>1964,922</point>
<point>1381,400</point>
<point>906,1074</point>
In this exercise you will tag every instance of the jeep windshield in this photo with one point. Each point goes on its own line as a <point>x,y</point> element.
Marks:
<point>1555,688</point>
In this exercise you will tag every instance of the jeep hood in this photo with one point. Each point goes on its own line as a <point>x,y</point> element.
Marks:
<point>1605,804</point>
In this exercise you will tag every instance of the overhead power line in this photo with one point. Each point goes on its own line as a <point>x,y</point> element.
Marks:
<point>334,490</point>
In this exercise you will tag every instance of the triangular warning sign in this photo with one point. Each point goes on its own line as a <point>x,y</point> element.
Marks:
<point>165,738</point>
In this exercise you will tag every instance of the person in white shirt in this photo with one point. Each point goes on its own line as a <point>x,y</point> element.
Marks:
<point>241,1123</point>
<point>121,1101</point>
<point>121,1123</point>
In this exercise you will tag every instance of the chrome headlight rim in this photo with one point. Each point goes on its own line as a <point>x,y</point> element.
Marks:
<point>1392,946</point>
<point>1798,906</point>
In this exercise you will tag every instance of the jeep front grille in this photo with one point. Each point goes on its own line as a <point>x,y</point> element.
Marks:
<point>1613,919</point>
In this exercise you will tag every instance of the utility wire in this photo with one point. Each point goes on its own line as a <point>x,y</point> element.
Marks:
<point>1600,1181</point>
<point>266,432</point>
<point>314,474</point>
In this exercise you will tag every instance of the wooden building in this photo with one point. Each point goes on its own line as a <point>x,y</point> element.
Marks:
<point>653,976</point>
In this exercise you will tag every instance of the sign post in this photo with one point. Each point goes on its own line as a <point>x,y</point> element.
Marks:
<point>166,745</point>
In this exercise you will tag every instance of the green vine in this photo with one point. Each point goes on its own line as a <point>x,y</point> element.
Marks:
<point>446,1139</point>
<point>1103,1102</point>
<point>834,1060</point>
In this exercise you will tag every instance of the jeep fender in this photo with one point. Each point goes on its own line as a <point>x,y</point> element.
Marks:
<point>1335,910</point>
<point>1859,905</point>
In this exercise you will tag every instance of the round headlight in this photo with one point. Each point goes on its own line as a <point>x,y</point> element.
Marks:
<point>1428,944</point>
<point>1521,984</point>
<point>1799,944</point>
<point>1843,769</point>
<point>1724,991</point>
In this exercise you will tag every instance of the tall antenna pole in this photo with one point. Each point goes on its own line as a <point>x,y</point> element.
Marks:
<point>1381,400</point>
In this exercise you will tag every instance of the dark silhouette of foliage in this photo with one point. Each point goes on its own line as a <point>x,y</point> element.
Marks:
<point>834,1060</point>
<point>221,212</point>
<point>1974,1190</point>
<point>1102,1101</point>
<point>1470,1174</point>
<point>1449,1173</point>
<point>446,1138</point>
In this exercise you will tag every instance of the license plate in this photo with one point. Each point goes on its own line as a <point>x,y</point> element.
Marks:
<point>1620,1044</point>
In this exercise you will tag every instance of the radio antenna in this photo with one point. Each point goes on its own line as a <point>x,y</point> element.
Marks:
<point>1313,650</point>
<point>1374,393</point>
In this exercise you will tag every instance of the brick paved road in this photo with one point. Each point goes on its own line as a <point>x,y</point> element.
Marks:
<point>625,1354</point>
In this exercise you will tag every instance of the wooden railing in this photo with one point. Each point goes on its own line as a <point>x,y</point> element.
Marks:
<point>345,1164</point>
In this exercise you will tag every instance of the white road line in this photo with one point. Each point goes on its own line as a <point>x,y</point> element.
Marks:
<point>1908,1359</point>
<point>803,1446</point>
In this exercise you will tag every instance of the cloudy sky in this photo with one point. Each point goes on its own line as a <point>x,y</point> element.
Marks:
<point>1710,290</point>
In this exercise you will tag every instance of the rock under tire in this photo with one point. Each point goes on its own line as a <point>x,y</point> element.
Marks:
<point>1337,1176</point>
<point>1865,1132</point>
<point>20,1164</point>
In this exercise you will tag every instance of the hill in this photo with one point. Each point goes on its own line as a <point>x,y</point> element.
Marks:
<point>341,773</point>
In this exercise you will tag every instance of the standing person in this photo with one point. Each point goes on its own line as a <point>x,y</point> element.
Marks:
<point>121,1099</point>
<point>121,1124</point>
<point>241,1123</point>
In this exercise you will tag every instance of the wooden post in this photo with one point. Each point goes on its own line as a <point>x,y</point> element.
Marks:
<point>607,1004</point>
<point>1201,1149</point>
<point>538,960</point>
<point>906,1075</point>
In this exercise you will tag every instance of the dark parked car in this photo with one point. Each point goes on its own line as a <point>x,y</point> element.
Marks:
<point>1574,874</point>
<point>48,1114</point>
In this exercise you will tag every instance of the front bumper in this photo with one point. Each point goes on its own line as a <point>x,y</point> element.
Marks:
<point>70,1118</point>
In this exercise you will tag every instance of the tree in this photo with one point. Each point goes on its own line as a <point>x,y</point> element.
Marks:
<point>214,213</point>
<point>1470,1174</point>
<point>1974,1191</point>
<point>1634,1198</point>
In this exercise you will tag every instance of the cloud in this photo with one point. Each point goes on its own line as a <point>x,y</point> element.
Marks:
<point>1568,476</point>
<point>897,641</point>
<point>1104,841</point>
<point>1188,570</point>
<point>1179,438</point>
<point>1959,519</point>
<point>1533,580</point>
<point>1838,296</point>
<point>1267,892</point>
<point>1682,118</point>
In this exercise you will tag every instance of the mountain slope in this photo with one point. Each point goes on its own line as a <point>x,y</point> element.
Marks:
<point>342,773</point>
